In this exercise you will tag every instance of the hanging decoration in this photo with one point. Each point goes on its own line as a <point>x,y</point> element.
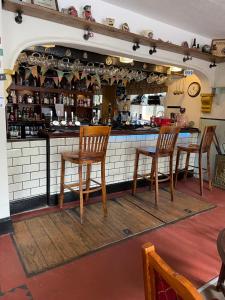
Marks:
<point>34,71</point>
<point>56,80</point>
<point>60,75</point>
<point>42,79</point>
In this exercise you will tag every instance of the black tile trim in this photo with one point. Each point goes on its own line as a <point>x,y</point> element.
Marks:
<point>6,226</point>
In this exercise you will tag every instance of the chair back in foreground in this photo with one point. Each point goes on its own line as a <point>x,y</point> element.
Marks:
<point>93,142</point>
<point>167,139</point>
<point>207,138</point>
<point>221,251</point>
<point>161,282</point>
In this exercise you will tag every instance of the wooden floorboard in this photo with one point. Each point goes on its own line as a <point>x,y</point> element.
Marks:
<point>52,239</point>
<point>168,211</point>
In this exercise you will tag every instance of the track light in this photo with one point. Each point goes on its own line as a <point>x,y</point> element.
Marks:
<point>136,46</point>
<point>186,58</point>
<point>18,17</point>
<point>87,34</point>
<point>212,65</point>
<point>153,50</point>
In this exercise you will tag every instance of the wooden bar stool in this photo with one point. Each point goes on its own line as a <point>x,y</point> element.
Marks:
<point>92,149</point>
<point>164,148</point>
<point>204,147</point>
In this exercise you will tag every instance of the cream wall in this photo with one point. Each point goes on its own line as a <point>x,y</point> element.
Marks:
<point>192,105</point>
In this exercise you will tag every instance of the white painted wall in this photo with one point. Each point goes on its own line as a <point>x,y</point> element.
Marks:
<point>4,199</point>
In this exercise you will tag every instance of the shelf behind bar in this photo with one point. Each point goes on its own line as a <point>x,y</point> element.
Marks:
<point>77,22</point>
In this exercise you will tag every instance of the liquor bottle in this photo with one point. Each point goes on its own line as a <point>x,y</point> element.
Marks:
<point>14,97</point>
<point>11,115</point>
<point>19,115</point>
<point>194,44</point>
<point>36,98</point>
<point>10,98</point>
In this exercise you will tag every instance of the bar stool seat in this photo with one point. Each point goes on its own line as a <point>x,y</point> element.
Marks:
<point>165,148</point>
<point>92,149</point>
<point>204,147</point>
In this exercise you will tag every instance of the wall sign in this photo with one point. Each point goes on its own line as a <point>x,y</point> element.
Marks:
<point>188,72</point>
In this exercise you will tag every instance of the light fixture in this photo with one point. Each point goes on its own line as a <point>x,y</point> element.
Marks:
<point>212,65</point>
<point>153,50</point>
<point>175,69</point>
<point>48,46</point>
<point>126,60</point>
<point>186,58</point>
<point>136,46</point>
<point>87,34</point>
<point>18,17</point>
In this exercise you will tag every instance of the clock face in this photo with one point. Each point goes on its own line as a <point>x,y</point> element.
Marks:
<point>194,89</point>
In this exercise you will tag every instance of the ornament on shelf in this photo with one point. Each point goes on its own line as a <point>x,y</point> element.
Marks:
<point>125,27</point>
<point>87,13</point>
<point>148,33</point>
<point>110,22</point>
<point>72,11</point>
<point>185,44</point>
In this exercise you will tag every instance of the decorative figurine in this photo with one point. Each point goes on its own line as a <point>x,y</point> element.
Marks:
<point>185,44</point>
<point>148,33</point>
<point>87,13</point>
<point>110,22</point>
<point>72,11</point>
<point>125,27</point>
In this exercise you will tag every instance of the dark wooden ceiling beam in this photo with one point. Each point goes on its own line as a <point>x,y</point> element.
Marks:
<point>58,17</point>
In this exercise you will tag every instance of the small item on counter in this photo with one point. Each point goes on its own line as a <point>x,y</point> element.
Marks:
<point>72,11</point>
<point>87,13</point>
<point>148,33</point>
<point>110,22</point>
<point>125,27</point>
<point>182,120</point>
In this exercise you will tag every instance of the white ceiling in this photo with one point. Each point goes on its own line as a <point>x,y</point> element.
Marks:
<point>203,17</point>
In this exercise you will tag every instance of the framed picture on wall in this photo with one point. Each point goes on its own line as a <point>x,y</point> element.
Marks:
<point>52,4</point>
<point>218,47</point>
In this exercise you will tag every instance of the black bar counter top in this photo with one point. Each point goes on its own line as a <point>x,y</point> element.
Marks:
<point>61,133</point>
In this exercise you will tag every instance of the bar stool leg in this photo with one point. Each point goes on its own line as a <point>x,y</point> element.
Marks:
<point>88,180</point>
<point>81,193</point>
<point>200,173</point>
<point>135,173</point>
<point>152,174</point>
<point>209,171</point>
<point>103,187</point>
<point>61,196</point>
<point>177,166</point>
<point>156,181</point>
<point>171,178</point>
<point>186,166</point>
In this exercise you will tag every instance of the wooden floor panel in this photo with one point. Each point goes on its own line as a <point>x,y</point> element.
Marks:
<point>52,239</point>
<point>168,211</point>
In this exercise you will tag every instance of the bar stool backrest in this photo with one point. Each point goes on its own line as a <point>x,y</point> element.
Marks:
<point>207,138</point>
<point>93,142</point>
<point>167,139</point>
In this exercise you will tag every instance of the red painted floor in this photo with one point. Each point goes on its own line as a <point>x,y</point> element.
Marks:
<point>189,246</point>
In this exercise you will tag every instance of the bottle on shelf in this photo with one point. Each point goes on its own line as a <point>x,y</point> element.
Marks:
<point>10,98</point>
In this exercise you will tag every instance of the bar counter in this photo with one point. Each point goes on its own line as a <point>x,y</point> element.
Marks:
<point>34,165</point>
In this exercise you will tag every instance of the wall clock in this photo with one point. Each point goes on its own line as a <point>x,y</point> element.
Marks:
<point>194,89</point>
